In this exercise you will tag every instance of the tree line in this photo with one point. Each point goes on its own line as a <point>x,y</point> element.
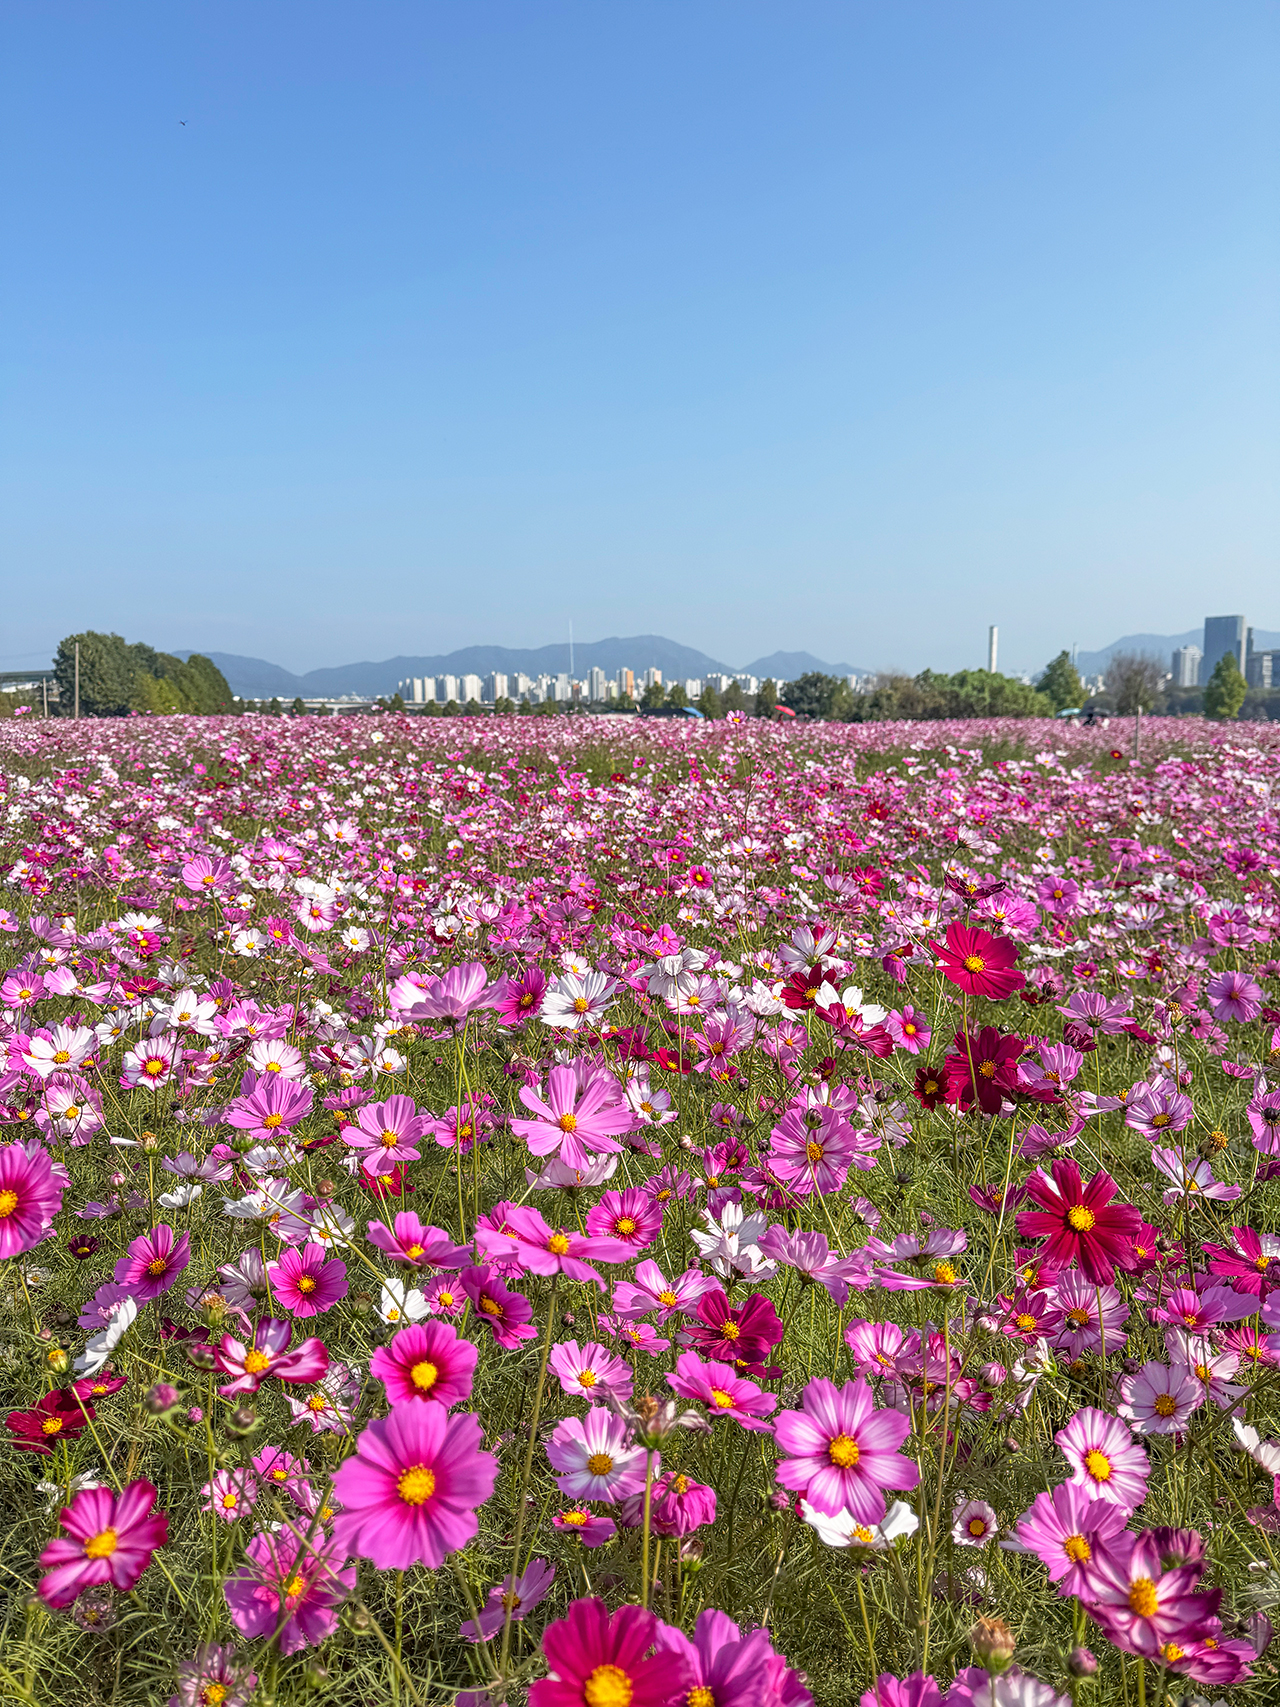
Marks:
<point>117,678</point>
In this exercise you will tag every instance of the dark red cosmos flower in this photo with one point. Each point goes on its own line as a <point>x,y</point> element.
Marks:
<point>930,1086</point>
<point>99,1386</point>
<point>978,962</point>
<point>994,1062</point>
<point>801,989</point>
<point>82,1246</point>
<point>1080,1223</point>
<point>1251,1267</point>
<point>58,1416</point>
<point>743,1335</point>
<point>971,890</point>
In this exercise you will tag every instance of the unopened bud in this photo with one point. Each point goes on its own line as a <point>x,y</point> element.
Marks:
<point>200,1356</point>
<point>1081,1663</point>
<point>361,1622</point>
<point>992,1642</point>
<point>243,1420</point>
<point>57,1360</point>
<point>149,1142</point>
<point>161,1398</point>
<point>243,1142</point>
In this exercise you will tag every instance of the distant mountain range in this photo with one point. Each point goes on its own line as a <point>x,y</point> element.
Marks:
<point>255,678</point>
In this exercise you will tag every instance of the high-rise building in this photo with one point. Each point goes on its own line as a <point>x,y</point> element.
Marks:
<point>693,688</point>
<point>563,691</point>
<point>597,683</point>
<point>653,678</point>
<point>521,685</point>
<point>469,687</point>
<point>626,680</point>
<point>446,689</point>
<point>1263,669</point>
<point>495,688</point>
<point>1222,634</point>
<point>1186,667</point>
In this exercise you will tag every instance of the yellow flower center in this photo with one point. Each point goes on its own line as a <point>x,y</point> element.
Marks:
<point>667,1298</point>
<point>62,1055</point>
<point>1025,1322</point>
<point>581,1005</point>
<point>813,1150</point>
<point>1078,1317</point>
<point>843,1452</point>
<point>417,1485</point>
<point>977,1526</point>
<point>1143,1599</point>
<point>944,1274</point>
<point>1080,1219</point>
<point>987,1069</point>
<point>1077,1549</point>
<point>720,1399</point>
<point>577,1518</point>
<point>413,1251</point>
<point>599,1463</point>
<point>9,1202</point>
<point>1165,1405</point>
<point>295,1587</point>
<point>491,1307</point>
<point>102,1545</point>
<point>730,1331</point>
<point>156,1265</point>
<point>608,1686</point>
<point>1098,1465</point>
<point>568,1123</point>
<point>1160,1119</point>
<point>255,1362</point>
<point>230,1502</point>
<point>974,963</point>
<point>306,1283</point>
<point>624,1225</point>
<point>213,1695</point>
<point>51,1425</point>
<point>700,1697</point>
<point>272,1121</point>
<point>586,1378</point>
<point>424,1375</point>
<point>557,1244</point>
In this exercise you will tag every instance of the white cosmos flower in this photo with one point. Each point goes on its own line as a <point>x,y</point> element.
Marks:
<point>180,1196</point>
<point>99,1346</point>
<point>843,1530</point>
<point>401,1303</point>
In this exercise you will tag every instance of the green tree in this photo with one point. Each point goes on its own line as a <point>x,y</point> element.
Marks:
<point>503,707</point>
<point>733,698</point>
<point>1224,694</point>
<point>107,672</point>
<point>275,708</point>
<point>624,702</point>
<point>452,708</point>
<point>811,695</point>
<point>766,697</point>
<point>396,702</point>
<point>431,708</point>
<point>652,697</point>
<point>297,709</point>
<point>676,695</point>
<point>473,708</point>
<point>1060,683</point>
<point>709,702</point>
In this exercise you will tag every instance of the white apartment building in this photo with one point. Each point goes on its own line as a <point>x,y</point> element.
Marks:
<point>597,685</point>
<point>469,687</point>
<point>652,678</point>
<point>446,689</point>
<point>495,688</point>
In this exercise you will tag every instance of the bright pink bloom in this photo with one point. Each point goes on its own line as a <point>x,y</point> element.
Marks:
<point>60,1415</point>
<point>153,1262</point>
<point>596,1457</point>
<point>580,1117</point>
<point>978,962</point>
<point>1234,995</point>
<point>908,1029</point>
<point>271,1108</point>
<point>290,1589</point>
<point>1080,1222</point>
<point>590,1372</point>
<point>508,1315</point>
<point>598,1660</point>
<point>543,1249</point>
<point>679,1505</point>
<point>1159,1399</point>
<point>1253,1266</point>
<point>591,1528</point>
<point>410,1494</point>
<point>307,1281</point>
<point>631,1217</point>
<point>427,1248</point>
<point>728,1669</point>
<point>1106,1461</point>
<point>651,1290</point>
<point>30,1196</point>
<point>1139,1605</point>
<point>522,1594</point>
<point>723,1391</point>
<point>463,991</point>
<point>252,1364</point>
<point>841,1453</point>
<point>918,1690</point>
<point>1063,1527</point>
<point>813,1149</point>
<point>111,1538</point>
<point>388,1133</point>
<point>428,1362</point>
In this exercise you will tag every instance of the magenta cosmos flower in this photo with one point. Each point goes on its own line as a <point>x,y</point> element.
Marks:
<point>427,1361</point>
<point>1105,1459</point>
<point>745,1334</point>
<point>289,1589</point>
<point>841,1453</point>
<point>1062,1528</point>
<point>979,963</point>
<point>30,1196</point>
<point>214,1676</point>
<point>1234,995</point>
<point>153,1262</point>
<point>812,1150</point>
<point>250,1365</point>
<point>1080,1222</point>
<point>518,1595</point>
<point>728,1669</point>
<point>723,1391</point>
<point>110,1539</point>
<point>1140,1606</point>
<point>307,1281</point>
<point>598,1660</point>
<point>596,1457</point>
<point>525,1236</point>
<point>591,1371</point>
<point>410,1493</point>
<point>427,1248</point>
<point>387,1132</point>
<point>630,1216</point>
<point>508,1315</point>
<point>269,1110</point>
<point>463,991</point>
<point>580,1116</point>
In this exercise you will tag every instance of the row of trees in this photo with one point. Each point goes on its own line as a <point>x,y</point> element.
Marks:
<point>117,678</point>
<point>1135,681</point>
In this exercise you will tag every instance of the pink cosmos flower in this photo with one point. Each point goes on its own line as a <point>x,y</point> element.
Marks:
<point>727,1669</point>
<point>543,1249</point>
<point>651,1290</point>
<point>1254,1263</point>
<point>1198,1311</point>
<point>1235,996</point>
<point>591,1528</point>
<point>307,1281</point>
<point>271,1108</point>
<point>410,1493</point>
<point>1062,1528</point>
<point>918,1690</point>
<point>814,1260</point>
<point>840,1452</point>
<point>289,1590</point>
<point>508,1315</point>
<point>1159,1399</point>
<point>522,997</point>
<point>229,1495</point>
<point>1089,1317</point>
<point>153,1262</point>
<point>813,1149</point>
<point>1105,1459</point>
<point>427,1361</point>
<point>1191,1177</point>
<point>427,1248</point>
<point>110,1539</point>
<point>214,1674</point>
<point>723,1391</point>
<point>30,1196</point>
<point>979,963</point>
<point>1140,1606</point>
<point>463,991</point>
<point>251,1365</point>
<point>908,1029</point>
<point>1264,1118</point>
<point>520,1595</point>
<point>630,1216</point>
<point>590,1372</point>
<point>598,1660</point>
<point>596,1457</point>
<point>875,1346</point>
<point>580,1117</point>
<point>387,1132</point>
<point>1157,1110</point>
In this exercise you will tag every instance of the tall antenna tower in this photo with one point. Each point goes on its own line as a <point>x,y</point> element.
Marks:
<point>571,651</point>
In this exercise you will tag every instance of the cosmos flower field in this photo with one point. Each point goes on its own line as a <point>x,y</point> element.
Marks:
<point>609,1213</point>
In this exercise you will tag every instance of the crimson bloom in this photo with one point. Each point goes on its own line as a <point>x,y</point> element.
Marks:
<point>508,1315</point>
<point>152,1263</point>
<point>30,1196</point>
<point>744,1335</point>
<point>426,1361</point>
<point>60,1415</point>
<point>410,1492</point>
<point>985,1060</point>
<point>981,964</point>
<point>268,1355</point>
<point>598,1660</point>
<point>110,1539</point>
<point>1079,1222</point>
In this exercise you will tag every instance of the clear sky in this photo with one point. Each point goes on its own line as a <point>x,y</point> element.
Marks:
<point>334,331</point>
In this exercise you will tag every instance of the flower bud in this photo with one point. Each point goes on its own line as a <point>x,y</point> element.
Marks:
<point>200,1356</point>
<point>1081,1663</point>
<point>243,1142</point>
<point>161,1399</point>
<point>149,1142</point>
<point>195,1414</point>
<point>992,1642</point>
<point>57,1360</point>
<point>243,1420</point>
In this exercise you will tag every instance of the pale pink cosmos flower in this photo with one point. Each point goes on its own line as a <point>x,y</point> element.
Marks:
<point>590,1372</point>
<point>595,1458</point>
<point>652,1291</point>
<point>841,1453</point>
<point>1106,1461</point>
<point>1159,1399</point>
<point>581,1115</point>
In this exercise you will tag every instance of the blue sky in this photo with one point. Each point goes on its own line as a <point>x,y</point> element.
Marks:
<point>850,328</point>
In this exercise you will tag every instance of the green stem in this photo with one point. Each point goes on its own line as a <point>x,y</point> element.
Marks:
<point>528,1468</point>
